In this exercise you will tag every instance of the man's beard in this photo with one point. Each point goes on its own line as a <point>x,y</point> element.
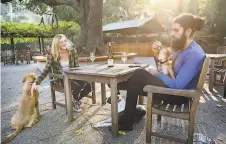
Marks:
<point>178,44</point>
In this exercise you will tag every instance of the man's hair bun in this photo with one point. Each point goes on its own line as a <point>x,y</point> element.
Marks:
<point>187,20</point>
<point>198,23</point>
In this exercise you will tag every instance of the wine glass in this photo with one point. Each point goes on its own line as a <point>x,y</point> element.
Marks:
<point>124,57</point>
<point>92,57</point>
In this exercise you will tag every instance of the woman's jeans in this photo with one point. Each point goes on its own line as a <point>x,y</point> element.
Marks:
<point>80,89</point>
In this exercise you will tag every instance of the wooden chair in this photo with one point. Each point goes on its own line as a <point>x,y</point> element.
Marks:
<point>224,84</point>
<point>19,55</point>
<point>7,57</point>
<point>27,56</point>
<point>221,50</point>
<point>60,88</point>
<point>219,68</point>
<point>34,53</point>
<point>186,111</point>
<point>222,81</point>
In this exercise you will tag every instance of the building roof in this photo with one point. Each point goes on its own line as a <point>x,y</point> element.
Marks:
<point>145,25</point>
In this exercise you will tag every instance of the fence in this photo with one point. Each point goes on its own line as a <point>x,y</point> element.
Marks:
<point>142,49</point>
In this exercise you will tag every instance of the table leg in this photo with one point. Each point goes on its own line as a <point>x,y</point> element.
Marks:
<point>93,93</point>
<point>114,106</point>
<point>67,86</point>
<point>16,59</point>
<point>141,100</point>
<point>103,93</point>
<point>211,76</point>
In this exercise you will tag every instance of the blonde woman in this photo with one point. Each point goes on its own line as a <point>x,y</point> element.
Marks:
<point>61,58</point>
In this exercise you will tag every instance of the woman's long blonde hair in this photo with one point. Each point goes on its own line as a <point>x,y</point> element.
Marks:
<point>55,45</point>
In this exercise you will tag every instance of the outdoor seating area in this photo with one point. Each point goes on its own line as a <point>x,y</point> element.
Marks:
<point>113,72</point>
<point>99,74</point>
<point>211,107</point>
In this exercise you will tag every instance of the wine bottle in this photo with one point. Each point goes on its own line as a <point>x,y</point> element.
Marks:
<point>110,57</point>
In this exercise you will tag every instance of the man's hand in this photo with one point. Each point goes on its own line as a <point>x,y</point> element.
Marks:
<point>156,45</point>
<point>33,87</point>
<point>153,70</point>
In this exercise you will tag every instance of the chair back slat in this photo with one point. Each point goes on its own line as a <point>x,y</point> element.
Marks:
<point>203,74</point>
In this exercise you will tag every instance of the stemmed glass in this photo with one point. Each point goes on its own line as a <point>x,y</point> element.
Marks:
<point>92,57</point>
<point>124,57</point>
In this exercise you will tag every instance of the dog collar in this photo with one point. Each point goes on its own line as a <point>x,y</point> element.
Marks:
<point>163,62</point>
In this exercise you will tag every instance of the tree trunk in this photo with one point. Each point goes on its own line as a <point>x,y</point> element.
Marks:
<point>90,18</point>
<point>180,6</point>
<point>193,6</point>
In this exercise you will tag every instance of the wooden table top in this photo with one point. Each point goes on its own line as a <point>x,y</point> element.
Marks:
<point>85,59</point>
<point>104,70</point>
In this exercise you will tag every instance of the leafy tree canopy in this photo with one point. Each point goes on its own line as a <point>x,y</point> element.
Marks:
<point>23,31</point>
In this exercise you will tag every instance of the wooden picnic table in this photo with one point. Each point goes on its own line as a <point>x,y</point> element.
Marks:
<point>103,74</point>
<point>214,58</point>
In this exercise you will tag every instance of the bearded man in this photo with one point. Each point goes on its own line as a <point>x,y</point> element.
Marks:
<point>187,65</point>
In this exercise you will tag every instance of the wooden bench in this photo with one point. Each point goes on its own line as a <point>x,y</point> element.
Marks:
<point>185,111</point>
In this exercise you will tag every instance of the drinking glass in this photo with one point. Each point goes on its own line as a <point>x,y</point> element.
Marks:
<point>92,57</point>
<point>124,57</point>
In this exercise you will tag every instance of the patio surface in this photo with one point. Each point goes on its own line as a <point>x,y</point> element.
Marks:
<point>54,128</point>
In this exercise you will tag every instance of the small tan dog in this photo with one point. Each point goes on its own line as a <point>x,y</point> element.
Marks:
<point>164,64</point>
<point>28,111</point>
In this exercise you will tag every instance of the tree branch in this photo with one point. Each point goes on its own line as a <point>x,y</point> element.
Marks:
<point>72,3</point>
<point>56,2</point>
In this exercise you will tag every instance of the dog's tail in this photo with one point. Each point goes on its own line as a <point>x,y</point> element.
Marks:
<point>12,136</point>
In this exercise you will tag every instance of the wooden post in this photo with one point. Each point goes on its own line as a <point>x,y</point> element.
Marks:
<point>137,32</point>
<point>12,43</point>
<point>40,46</point>
<point>13,51</point>
<point>43,44</point>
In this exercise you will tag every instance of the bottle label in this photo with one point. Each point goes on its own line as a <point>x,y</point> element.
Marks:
<point>110,62</point>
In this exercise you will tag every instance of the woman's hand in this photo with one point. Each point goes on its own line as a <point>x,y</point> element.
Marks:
<point>33,87</point>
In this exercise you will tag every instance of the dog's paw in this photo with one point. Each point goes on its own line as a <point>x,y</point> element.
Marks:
<point>34,122</point>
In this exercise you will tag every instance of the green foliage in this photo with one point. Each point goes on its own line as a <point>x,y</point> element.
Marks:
<point>37,7</point>
<point>66,13</point>
<point>115,10</point>
<point>215,13</point>
<point>23,31</point>
<point>220,19</point>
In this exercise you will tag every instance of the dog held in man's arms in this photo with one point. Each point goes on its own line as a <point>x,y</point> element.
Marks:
<point>164,62</point>
<point>163,56</point>
<point>28,112</point>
